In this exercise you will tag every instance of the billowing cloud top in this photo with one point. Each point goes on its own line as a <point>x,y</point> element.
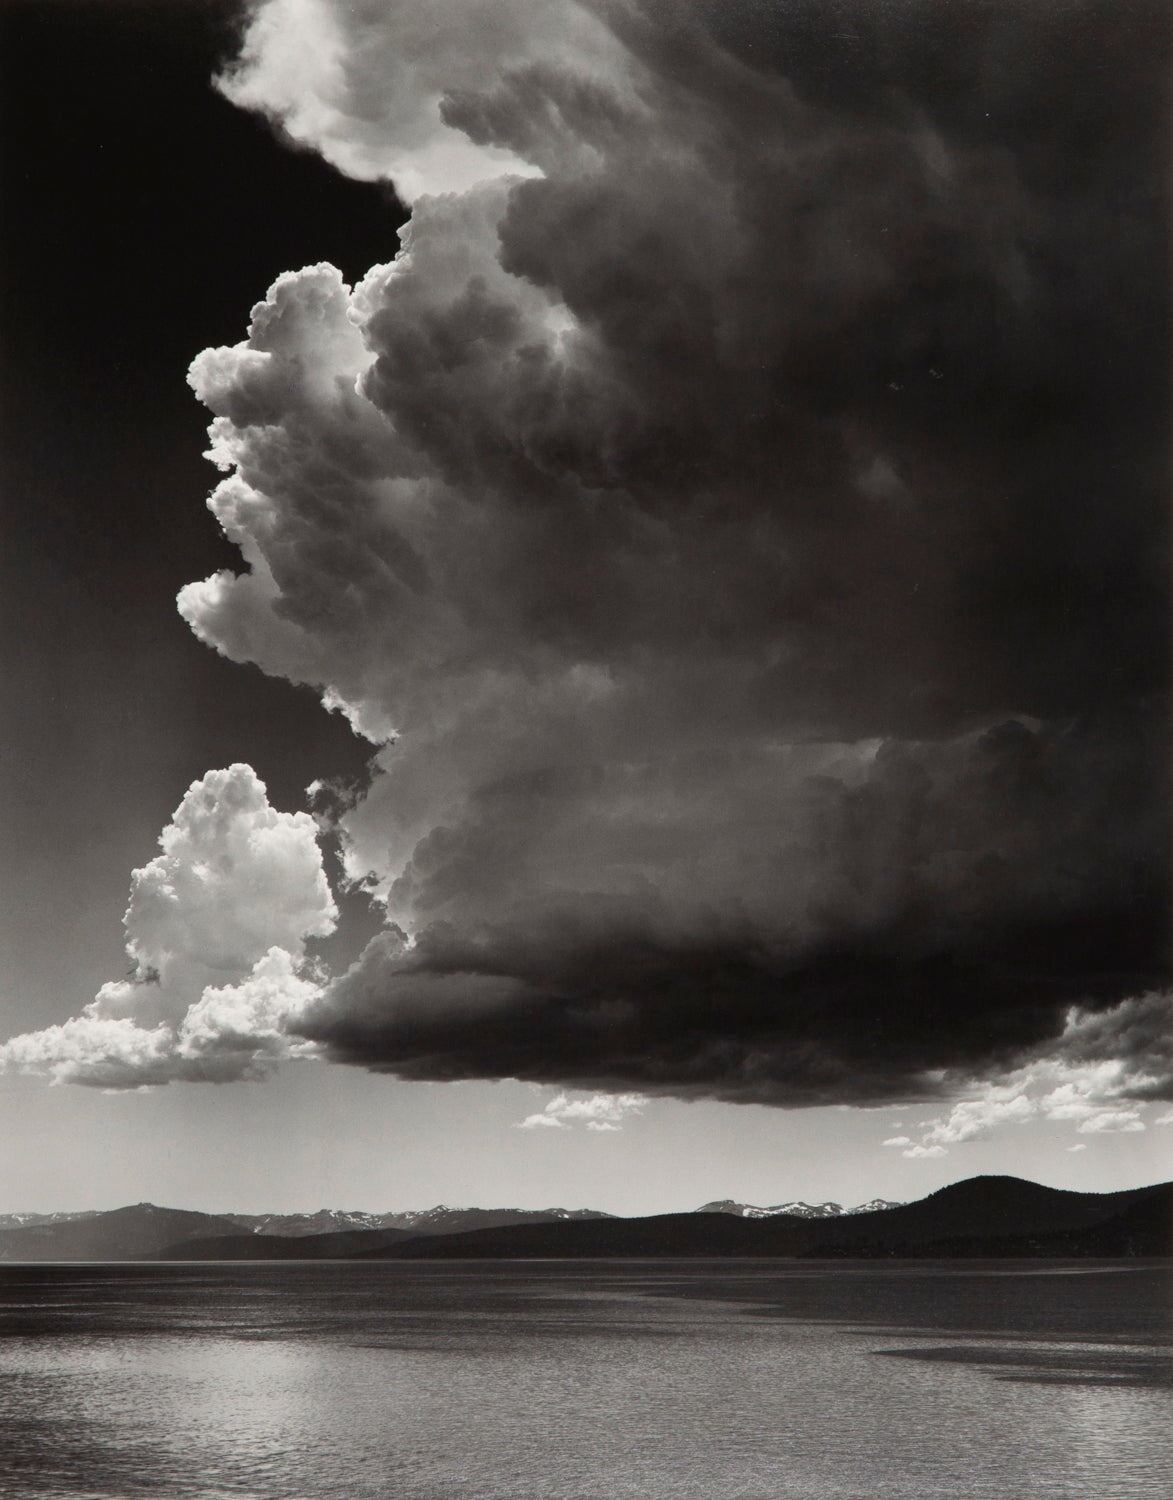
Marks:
<point>215,933</point>
<point>736,515</point>
<point>368,84</point>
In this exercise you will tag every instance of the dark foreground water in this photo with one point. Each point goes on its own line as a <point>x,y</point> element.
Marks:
<point>562,1381</point>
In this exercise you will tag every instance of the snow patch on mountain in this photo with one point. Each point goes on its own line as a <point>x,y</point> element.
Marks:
<point>797,1209</point>
<point>439,1218</point>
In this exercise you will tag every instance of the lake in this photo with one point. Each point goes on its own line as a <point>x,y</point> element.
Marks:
<point>555,1380</point>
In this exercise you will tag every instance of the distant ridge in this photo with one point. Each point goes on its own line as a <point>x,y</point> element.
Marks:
<point>143,1230</point>
<point>797,1209</point>
<point>294,1244</point>
<point>982,1217</point>
<point>122,1234</point>
<point>24,1221</point>
<point>340,1244</point>
<point>439,1219</point>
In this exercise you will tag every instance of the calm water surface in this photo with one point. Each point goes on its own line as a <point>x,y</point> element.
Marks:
<point>570,1381</point>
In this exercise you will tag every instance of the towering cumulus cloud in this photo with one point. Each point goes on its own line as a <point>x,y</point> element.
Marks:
<point>215,934</point>
<point>736,516</point>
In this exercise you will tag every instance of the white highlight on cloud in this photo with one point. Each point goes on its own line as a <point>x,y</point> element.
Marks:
<point>368,84</point>
<point>1078,1147</point>
<point>599,1112</point>
<point>216,930</point>
<point>1098,1076</point>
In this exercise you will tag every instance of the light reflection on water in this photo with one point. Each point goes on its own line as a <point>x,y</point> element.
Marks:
<point>549,1381</point>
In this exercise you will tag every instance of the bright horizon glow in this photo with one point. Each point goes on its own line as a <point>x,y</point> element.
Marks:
<point>315,1136</point>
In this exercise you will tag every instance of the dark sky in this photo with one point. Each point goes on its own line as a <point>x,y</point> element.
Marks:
<point>143,215</point>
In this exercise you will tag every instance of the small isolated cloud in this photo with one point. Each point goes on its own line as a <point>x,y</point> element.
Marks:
<point>915,1151</point>
<point>541,1122</point>
<point>898,1140</point>
<point>1078,1147</point>
<point>215,929</point>
<point>599,1112</point>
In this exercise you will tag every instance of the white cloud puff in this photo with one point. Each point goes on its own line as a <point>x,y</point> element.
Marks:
<point>216,928</point>
<point>541,1122</point>
<point>599,1112</point>
<point>1111,1121</point>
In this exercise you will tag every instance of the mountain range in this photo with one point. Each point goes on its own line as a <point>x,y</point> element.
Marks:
<point>438,1220</point>
<point>980,1217</point>
<point>144,1229</point>
<point>797,1209</point>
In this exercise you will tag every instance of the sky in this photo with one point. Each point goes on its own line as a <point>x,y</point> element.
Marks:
<point>585,601</point>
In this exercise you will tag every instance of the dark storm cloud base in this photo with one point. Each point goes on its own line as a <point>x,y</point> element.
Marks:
<point>862,433</point>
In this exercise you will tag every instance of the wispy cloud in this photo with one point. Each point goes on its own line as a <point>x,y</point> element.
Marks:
<point>1099,1076</point>
<point>599,1112</point>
